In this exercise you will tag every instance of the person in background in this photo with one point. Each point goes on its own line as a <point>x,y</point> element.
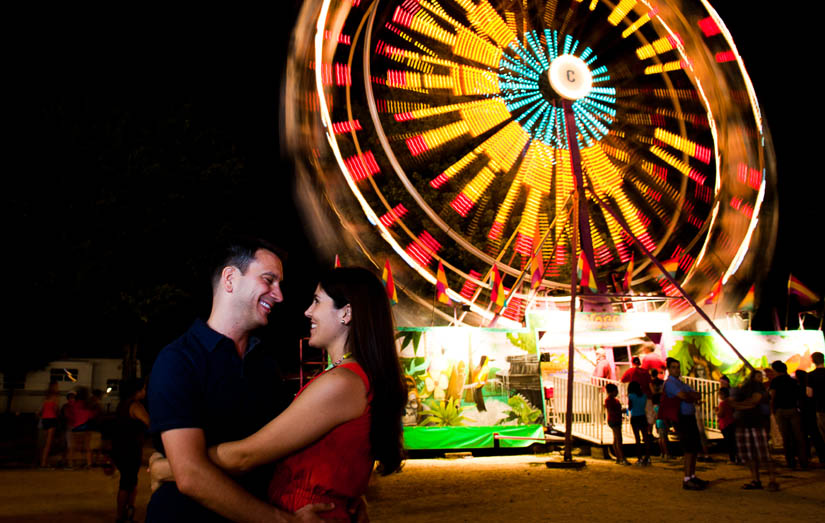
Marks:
<point>48,420</point>
<point>686,425</point>
<point>641,376</point>
<point>67,415</point>
<point>807,411</point>
<point>651,359</point>
<point>724,383</point>
<point>127,443</point>
<point>636,402</point>
<point>603,369</point>
<point>784,392</point>
<point>656,386</point>
<point>95,423</point>
<point>816,390</point>
<point>727,424</point>
<point>751,436</point>
<point>80,428</point>
<point>614,421</point>
<point>638,374</point>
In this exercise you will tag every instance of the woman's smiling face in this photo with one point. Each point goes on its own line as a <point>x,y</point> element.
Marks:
<point>327,323</point>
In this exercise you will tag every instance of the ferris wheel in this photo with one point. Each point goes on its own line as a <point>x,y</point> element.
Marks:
<point>436,131</point>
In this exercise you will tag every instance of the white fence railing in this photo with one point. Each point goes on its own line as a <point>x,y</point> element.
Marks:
<point>589,416</point>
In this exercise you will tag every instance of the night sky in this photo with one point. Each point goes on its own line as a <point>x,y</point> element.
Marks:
<point>141,140</point>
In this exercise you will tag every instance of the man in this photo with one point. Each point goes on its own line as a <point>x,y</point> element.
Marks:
<point>603,369</point>
<point>751,435</point>
<point>686,424</point>
<point>638,374</point>
<point>816,390</point>
<point>651,359</point>
<point>784,392</point>
<point>216,384</point>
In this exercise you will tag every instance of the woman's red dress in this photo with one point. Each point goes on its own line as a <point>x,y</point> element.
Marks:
<point>334,469</point>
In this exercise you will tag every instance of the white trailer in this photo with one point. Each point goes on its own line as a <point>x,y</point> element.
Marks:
<point>70,373</point>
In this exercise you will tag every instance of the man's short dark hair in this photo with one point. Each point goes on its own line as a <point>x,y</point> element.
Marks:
<point>780,367</point>
<point>817,358</point>
<point>671,360</point>
<point>240,253</point>
<point>636,360</point>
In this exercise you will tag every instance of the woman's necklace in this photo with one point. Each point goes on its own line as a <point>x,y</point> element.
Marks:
<point>341,359</point>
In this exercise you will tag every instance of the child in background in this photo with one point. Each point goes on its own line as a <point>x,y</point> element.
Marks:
<point>614,420</point>
<point>636,402</point>
<point>656,386</point>
<point>724,412</point>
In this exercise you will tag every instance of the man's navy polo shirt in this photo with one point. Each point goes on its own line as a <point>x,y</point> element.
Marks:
<point>199,381</point>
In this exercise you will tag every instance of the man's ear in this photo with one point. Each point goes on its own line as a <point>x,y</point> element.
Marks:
<point>228,278</point>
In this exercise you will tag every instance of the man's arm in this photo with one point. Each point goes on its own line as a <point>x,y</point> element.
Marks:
<point>689,396</point>
<point>682,392</point>
<point>200,479</point>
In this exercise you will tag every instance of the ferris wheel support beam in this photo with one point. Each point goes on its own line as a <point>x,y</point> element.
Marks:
<point>619,218</point>
<point>581,226</point>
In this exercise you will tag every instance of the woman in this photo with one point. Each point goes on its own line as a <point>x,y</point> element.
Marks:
<point>127,443</point>
<point>326,442</point>
<point>48,420</point>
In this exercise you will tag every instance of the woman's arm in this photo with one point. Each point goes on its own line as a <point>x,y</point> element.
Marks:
<point>138,411</point>
<point>332,399</point>
<point>749,403</point>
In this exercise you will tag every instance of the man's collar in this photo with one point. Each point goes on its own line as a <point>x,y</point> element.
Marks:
<point>210,338</point>
<point>206,335</point>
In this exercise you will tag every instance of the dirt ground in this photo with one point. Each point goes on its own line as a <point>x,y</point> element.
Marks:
<point>501,488</point>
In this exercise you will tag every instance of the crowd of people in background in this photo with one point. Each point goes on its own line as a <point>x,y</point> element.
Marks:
<point>73,427</point>
<point>744,413</point>
<point>84,436</point>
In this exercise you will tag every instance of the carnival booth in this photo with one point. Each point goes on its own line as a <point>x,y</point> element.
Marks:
<point>467,385</point>
<point>473,387</point>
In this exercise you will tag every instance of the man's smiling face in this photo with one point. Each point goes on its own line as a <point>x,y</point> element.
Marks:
<point>259,288</point>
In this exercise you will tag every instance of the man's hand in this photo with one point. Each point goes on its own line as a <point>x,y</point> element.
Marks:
<point>160,470</point>
<point>309,513</point>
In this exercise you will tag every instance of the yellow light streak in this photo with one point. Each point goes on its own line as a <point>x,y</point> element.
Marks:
<point>662,45</point>
<point>438,137</point>
<point>471,80</point>
<point>671,160</point>
<point>632,28</point>
<point>487,21</point>
<point>473,47</point>
<point>620,11</point>
<point>484,116</point>
<point>677,142</point>
<point>664,68</point>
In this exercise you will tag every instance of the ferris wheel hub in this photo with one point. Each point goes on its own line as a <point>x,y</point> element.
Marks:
<point>570,77</point>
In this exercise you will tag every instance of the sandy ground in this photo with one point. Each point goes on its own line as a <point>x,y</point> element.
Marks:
<point>502,488</point>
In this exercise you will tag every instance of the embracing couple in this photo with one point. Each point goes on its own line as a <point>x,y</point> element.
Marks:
<point>235,447</point>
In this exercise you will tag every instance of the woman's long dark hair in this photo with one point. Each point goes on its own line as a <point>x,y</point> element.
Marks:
<point>372,343</point>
